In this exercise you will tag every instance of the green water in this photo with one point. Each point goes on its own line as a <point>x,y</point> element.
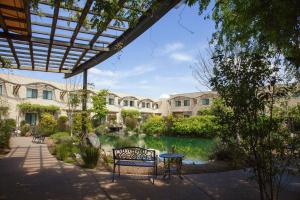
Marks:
<point>195,150</point>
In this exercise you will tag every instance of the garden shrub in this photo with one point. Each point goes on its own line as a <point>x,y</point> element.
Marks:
<point>124,142</point>
<point>77,124</point>
<point>201,126</point>
<point>102,129</point>
<point>25,128</point>
<point>154,125</point>
<point>130,113</point>
<point>62,123</point>
<point>65,148</point>
<point>131,123</point>
<point>56,137</point>
<point>90,156</point>
<point>6,128</point>
<point>47,124</point>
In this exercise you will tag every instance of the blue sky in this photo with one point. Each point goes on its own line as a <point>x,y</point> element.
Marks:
<point>155,64</point>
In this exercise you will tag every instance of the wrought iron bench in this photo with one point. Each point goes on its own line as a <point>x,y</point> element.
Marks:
<point>134,157</point>
<point>36,137</point>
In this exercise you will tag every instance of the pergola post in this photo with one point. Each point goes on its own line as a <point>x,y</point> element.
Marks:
<point>84,105</point>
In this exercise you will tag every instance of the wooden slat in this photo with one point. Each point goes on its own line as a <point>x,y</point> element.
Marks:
<point>98,34</point>
<point>70,19</point>
<point>83,15</point>
<point>42,51</point>
<point>78,9</point>
<point>40,68</point>
<point>47,41</point>
<point>68,37</point>
<point>28,22</point>
<point>53,26</point>
<point>11,45</point>
<point>8,7</point>
<point>145,22</point>
<point>66,28</point>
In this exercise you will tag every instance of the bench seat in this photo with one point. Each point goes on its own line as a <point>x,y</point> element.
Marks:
<point>135,163</point>
<point>134,157</point>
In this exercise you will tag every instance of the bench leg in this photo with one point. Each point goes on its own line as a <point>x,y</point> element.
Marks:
<point>154,174</point>
<point>114,170</point>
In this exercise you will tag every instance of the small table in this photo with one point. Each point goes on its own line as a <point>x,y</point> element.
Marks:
<point>167,163</point>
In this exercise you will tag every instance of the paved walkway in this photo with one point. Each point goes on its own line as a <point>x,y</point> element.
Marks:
<point>29,171</point>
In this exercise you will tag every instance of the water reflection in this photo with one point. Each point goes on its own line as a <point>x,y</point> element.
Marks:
<point>195,150</point>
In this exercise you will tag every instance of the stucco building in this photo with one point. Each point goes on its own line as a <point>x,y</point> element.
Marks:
<point>16,89</point>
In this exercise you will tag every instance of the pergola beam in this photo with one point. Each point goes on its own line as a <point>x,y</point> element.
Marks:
<point>98,34</point>
<point>145,21</point>
<point>83,15</point>
<point>28,22</point>
<point>54,21</point>
<point>10,43</point>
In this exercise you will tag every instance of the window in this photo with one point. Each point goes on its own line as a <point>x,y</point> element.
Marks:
<point>0,89</point>
<point>177,103</point>
<point>143,105</point>
<point>131,103</point>
<point>111,101</point>
<point>47,94</point>
<point>125,103</point>
<point>31,93</point>
<point>186,102</point>
<point>205,101</point>
<point>148,105</point>
<point>30,118</point>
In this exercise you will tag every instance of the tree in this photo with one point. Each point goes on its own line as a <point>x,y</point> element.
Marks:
<point>268,26</point>
<point>248,85</point>
<point>99,105</point>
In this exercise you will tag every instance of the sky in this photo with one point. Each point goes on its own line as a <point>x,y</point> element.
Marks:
<point>156,64</point>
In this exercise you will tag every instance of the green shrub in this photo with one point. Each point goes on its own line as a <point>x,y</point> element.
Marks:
<point>65,148</point>
<point>131,123</point>
<point>90,156</point>
<point>77,124</point>
<point>201,126</point>
<point>58,135</point>
<point>102,129</point>
<point>154,125</point>
<point>130,113</point>
<point>62,123</point>
<point>6,128</point>
<point>25,128</point>
<point>47,124</point>
<point>124,142</point>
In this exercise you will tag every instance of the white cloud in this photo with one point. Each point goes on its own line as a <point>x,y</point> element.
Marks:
<point>101,72</point>
<point>170,47</point>
<point>164,96</point>
<point>182,57</point>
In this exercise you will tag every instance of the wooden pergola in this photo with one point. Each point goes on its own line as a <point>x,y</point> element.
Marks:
<point>34,40</point>
<point>54,41</point>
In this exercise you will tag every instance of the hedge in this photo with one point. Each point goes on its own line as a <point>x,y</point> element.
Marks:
<point>201,126</point>
<point>154,125</point>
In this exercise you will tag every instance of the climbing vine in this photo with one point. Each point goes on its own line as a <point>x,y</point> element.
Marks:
<point>28,107</point>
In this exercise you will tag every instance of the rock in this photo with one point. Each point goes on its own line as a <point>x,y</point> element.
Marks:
<point>94,140</point>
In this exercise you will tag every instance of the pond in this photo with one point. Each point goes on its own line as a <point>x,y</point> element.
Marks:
<point>195,150</point>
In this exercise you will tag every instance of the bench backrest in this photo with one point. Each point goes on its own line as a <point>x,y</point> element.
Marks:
<point>134,153</point>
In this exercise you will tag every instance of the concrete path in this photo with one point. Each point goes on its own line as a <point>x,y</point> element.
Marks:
<point>29,171</point>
